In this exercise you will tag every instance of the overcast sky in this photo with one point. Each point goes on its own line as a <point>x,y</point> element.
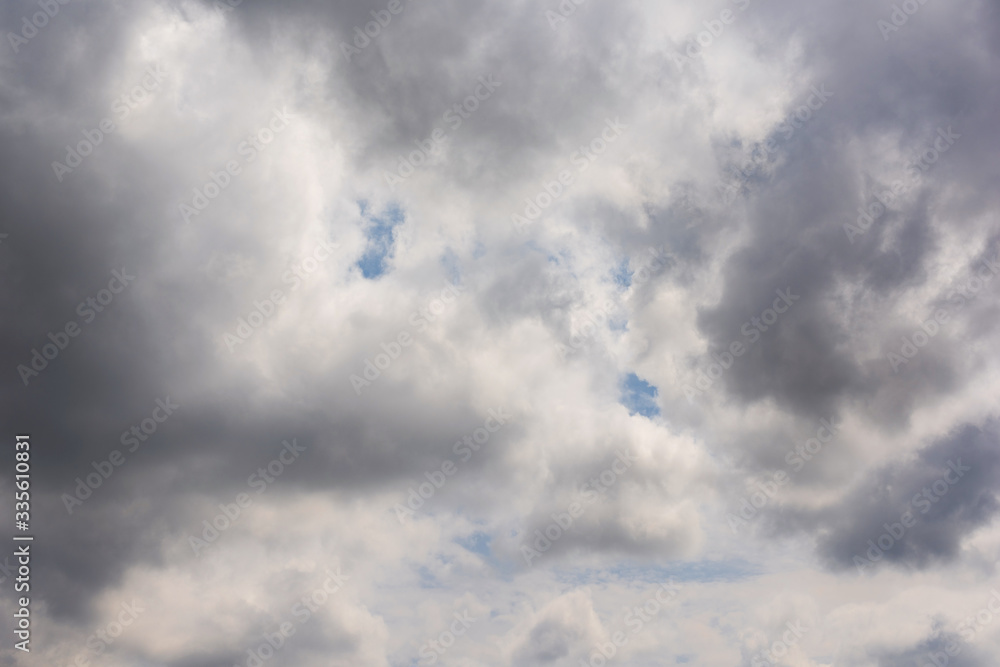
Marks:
<point>396,333</point>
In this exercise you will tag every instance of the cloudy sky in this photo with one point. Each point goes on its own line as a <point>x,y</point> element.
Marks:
<point>478,333</point>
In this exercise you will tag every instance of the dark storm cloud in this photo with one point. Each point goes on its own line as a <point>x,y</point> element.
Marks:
<point>941,647</point>
<point>65,241</point>
<point>929,504</point>
<point>796,216</point>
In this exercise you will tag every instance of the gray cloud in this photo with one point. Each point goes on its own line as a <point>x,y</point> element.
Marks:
<point>322,179</point>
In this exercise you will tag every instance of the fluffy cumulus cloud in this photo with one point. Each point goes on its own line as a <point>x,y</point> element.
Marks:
<point>393,333</point>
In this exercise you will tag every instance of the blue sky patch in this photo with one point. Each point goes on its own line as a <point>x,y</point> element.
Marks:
<point>639,396</point>
<point>452,266</point>
<point>622,275</point>
<point>379,232</point>
<point>477,543</point>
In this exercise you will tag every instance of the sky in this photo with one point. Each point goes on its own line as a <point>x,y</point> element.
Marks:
<point>476,333</point>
